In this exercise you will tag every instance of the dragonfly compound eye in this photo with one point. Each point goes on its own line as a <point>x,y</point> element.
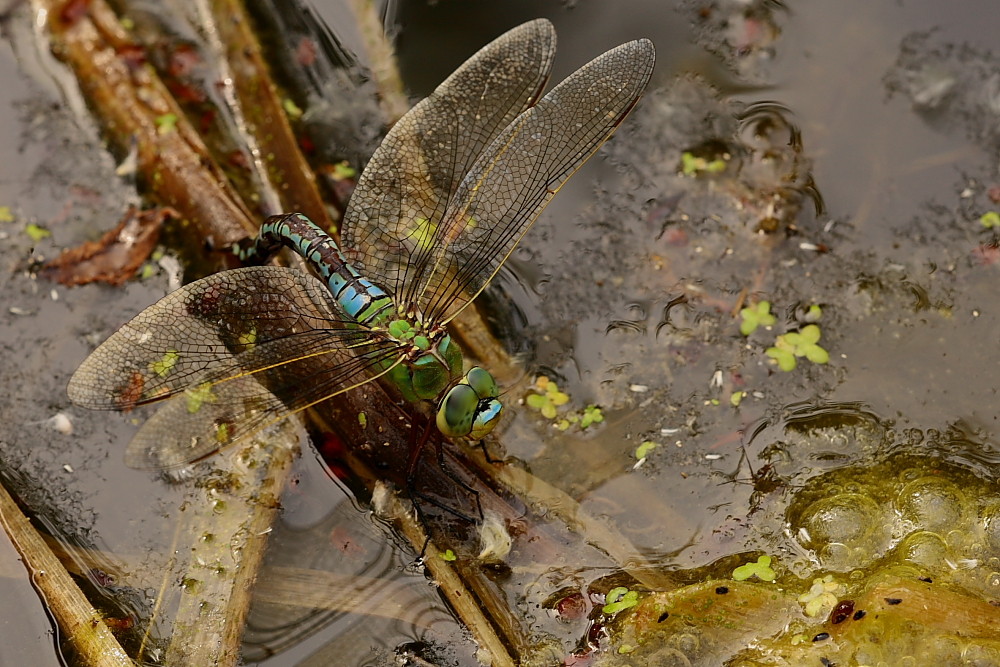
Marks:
<point>457,411</point>
<point>482,382</point>
<point>463,413</point>
<point>487,417</point>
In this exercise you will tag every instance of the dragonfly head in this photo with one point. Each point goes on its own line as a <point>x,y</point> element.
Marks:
<point>470,409</point>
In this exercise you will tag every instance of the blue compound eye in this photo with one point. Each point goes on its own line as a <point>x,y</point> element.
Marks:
<point>487,417</point>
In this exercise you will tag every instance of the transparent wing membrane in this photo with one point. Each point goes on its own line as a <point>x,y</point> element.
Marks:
<point>199,328</point>
<point>388,229</point>
<point>215,413</point>
<point>229,354</point>
<point>517,175</point>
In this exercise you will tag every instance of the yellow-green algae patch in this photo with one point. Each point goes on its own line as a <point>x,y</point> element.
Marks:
<point>699,623</point>
<point>891,561</point>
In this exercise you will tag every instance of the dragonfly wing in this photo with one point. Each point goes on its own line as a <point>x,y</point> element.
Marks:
<point>413,175</point>
<point>200,328</point>
<point>518,174</point>
<point>223,408</point>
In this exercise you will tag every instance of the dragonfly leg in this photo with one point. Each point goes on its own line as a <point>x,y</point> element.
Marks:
<point>455,478</point>
<point>486,453</point>
<point>411,479</point>
<point>417,497</point>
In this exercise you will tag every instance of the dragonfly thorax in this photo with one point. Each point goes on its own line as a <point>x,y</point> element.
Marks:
<point>432,368</point>
<point>431,360</point>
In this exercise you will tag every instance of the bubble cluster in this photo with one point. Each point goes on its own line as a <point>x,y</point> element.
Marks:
<point>939,519</point>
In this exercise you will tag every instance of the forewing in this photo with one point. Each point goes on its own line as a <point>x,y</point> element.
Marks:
<point>200,328</point>
<point>388,229</point>
<point>222,408</point>
<point>523,168</point>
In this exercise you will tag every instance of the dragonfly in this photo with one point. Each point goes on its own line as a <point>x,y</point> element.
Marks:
<point>441,205</point>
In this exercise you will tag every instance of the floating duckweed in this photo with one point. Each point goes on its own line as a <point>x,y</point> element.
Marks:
<point>757,315</point>
<point>292,109</point>
<point>804,343</point>
<point>760,569</point>
<point>448,555</point>
<point>166,123</point>
<point>196,397</point>
<point>222,432</point>
<point>592,414</point>
<point>547,399</point>
<point>165,364</point>
<point>343,171</point>
<point>692,165</point>
<point>619,599</point>
<point>643,450</point>
<point>36,232</point>
<point>736,398</point>
<point>990,219</point>
<point>5,214</point>
<point>821,596</point>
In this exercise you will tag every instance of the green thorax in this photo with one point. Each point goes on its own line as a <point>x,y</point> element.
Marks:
<point>435,362</point>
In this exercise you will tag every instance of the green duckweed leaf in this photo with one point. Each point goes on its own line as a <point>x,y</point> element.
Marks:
<point>757,315</point>
<point>761,569</point>
<point>619,599</point>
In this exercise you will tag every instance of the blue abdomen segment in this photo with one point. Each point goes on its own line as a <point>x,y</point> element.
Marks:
<point>361,299</point>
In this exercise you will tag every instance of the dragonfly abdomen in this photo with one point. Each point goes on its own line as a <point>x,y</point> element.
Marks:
<point>360,298</point>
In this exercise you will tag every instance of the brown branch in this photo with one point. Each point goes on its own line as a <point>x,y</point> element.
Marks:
<point>284,168</point>
<point>235,504</point>
<point>82,624</point>
<point>135,108</point>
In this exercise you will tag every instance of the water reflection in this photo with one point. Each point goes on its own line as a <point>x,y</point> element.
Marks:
<point>336,585</point>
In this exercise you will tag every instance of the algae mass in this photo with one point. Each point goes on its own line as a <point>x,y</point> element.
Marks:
<point>891,558</point>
